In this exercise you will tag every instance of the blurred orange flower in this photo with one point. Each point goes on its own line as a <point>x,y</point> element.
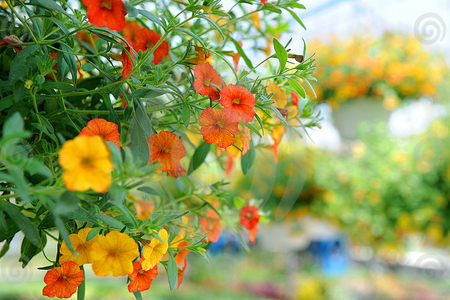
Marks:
<point>177,173</point>
<point>130,30</point>
<point>108,131</point>
<point>206,75</point>
<point>279,96</point>
<point>113,254</point>
<point>181,273</point>
<point>238,103</point>
<point>109,13</point>
<point>182,253</point>
<point>80,245</point>
<point>127,63</point>
<point>62,282</point>
<point>277,135</point>
<point>211,225</point>
<point>147,39</point>
<point>155,250</point>
<point>87,164</point>
<point>141,280</point>
<point>250,218</point>
<point>166,148</point>
<point>202,55</point>
<point>217,128</point>
<point>84,37</point>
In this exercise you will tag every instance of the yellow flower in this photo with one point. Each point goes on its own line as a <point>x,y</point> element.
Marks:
<point>87,164</point>
<point>28,84</point>
<point>80,245</point>
<point>113,254</point>
<point>154,251</point>
<point>279,96</point>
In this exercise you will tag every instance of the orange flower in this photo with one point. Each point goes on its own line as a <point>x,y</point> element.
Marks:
<point>229,164</point>
<point>177,173</point>
<point>127,63</point>
<point>250,218</point>
<point>211,226</point>
<point>242,140</point>
<point>81,246</point>
<point>144,208</point>
<point>113,254</point>
<point>205,76</point>
<point>181,273</point>
<point>108,131</point>
<point>84,37</point>
<point>202,55</point>
<point>11,40</point>
<point>109,13</point>
<point>141,280</point>
<point>63,281</point>
<point>166,148</point>
<point>277,135</point>
<point>147,39</point>
<point>294,98</point>
<point>238,103</point>
<point>130,30</point>
<point>236,57</point>
<point>182,253</point>
<point>217,128</point>
<point>86,161</point>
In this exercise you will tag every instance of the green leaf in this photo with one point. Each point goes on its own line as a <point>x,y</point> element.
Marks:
<point>192,35</point>
<point>24,224</point>
<point>260,123</point>
<point>131,10</point>
<point>129,217</point>
<point>151,17</point>
<point>272,8</point>
<point>110,221</point>
<point>297,87</point>
<point>281,54</point>
<point>248,159</point>
<point>214,25</point>
<point>172,271</point>
<point>52,6</point>
<point>139,146</point>
<point>279,115</point>
<point>82,287</point>
<point>80,214</point>
<point>252,128</point>
<point>92,233</point>
<point>148,190</point>
<point>46,123</point>
<point>294,15</point>
<point>60,25</point>
<point>63,232</point>
<point>239,203</point>
<point>19,67</point>
<point>199,156</point>
<point>148,93</point>
<point>241,52</point>
<point>60,86</point>
<point>5,248</point>
<point>186,114</point>
<point>13,125</point>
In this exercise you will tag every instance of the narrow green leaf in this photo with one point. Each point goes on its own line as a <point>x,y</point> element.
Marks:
<point>186,114</point>
<point>151,17</point>
<point>92,233</point>
<point>63,232</point>
<point>110,221</point>
<point>248,159</point>
<point>13,125</point>
<point>25,225</point>
<point>241,52</point>
<point>52,6</point>
<point>279,115</point>
<point>172,271</point>
<point>139,146</point>
<point>199,156</point>
<point>297,87</point>
<point>260,123</point>
<point>294,15</point>
<point>137,295</point>
<point>192,35</point>
<point>281,53</point>
<point>148,190</point>
<point>252,128</point>
<point>82,287</point>
<point>19,67</point>
<point>214,25</point>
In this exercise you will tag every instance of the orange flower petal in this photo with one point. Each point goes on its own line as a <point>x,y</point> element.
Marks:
<point>181,273</point>
<point>141,280</point>
<point>177,173</point>
<point>238,103</point>
<point>127,63</point>
<point>211,226</point>
<point>147,39</point>
<point>206,75</point>
<point>182,253</point>
<point>217,128</point>
<point>249,219</point>
<point>106,130</point>
<point>130,30</point>
<point>166,148</point>
<point>109,13</point>
<point>62,282</point>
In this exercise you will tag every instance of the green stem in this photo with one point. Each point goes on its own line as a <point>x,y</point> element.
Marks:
<point>82,287</point>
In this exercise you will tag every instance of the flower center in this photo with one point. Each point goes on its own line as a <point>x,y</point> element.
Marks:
<point>64,277</point>
<point>220,124</point>
<point>114,253</point>
<point>141,271</point>
<point>249,215</point>
<point>236,100</point>
<point>149,45</point>
<point>106,4</point>
<point>86,162</point>
<point>164,149</point>
<point>206,81</point>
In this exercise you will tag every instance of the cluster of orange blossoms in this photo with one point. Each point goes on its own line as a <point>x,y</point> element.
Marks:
<point>112,254</point>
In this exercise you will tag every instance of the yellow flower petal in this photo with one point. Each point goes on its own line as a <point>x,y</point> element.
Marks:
<point>155,251</point>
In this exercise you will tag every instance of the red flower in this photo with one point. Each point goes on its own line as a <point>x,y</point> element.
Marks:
<point>205,76</point>
<point>177,173</point>
<point>294,98</point>
<point>211,226</point>
<point>166,148</point>
<point>109,13</point>
<point>238,103</point>
<point>127,63</point>
<point>141,280</point>
<point>147,39</point>
<point>11,40</point>
<point>250,218</point>
<point>130,30</point>
<point>107,130</point>
<point>182,253</point>
<point>217,128</point>
<point>63,281</point>
<point>181,273</point>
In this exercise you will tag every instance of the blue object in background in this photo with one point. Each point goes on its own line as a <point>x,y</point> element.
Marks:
<point>227,242</point>
<point>332,255</point>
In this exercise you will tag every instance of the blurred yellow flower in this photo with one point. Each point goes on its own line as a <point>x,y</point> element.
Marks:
<point>374,198</point>
<point>391,102</point>
<point>86,161</point>
<point>329,197</point>
<point>279,96</point>
<point>80,245</point>
<point>113,254</point>
<point>155,250</point>
<point>359,149</point>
